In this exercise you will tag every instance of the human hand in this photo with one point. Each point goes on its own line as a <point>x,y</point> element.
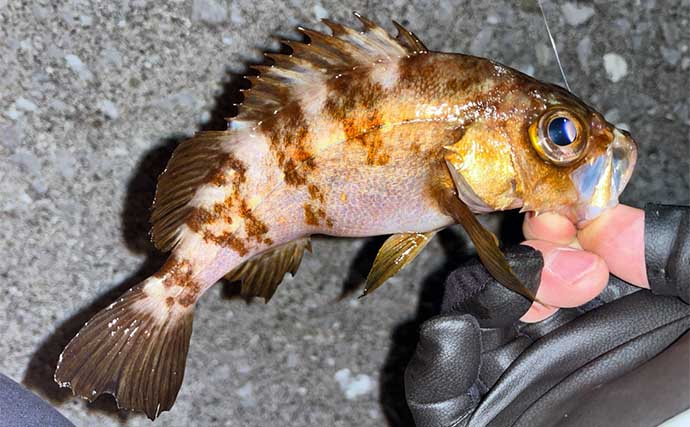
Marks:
<point>577,262</point>
<point>476,365</point>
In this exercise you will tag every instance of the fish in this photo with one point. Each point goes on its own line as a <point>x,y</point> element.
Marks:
<point>354,133</point>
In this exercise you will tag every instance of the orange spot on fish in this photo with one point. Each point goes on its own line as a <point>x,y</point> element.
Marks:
<point>310,217</point>
<point>190,294</point>
<point>175,272</point>
<point>315,193</point>
<point>356,104</point>
<point>288,133</point>
<point>254,227</point>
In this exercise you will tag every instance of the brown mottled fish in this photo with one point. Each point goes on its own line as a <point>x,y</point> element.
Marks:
<point>353,134</point>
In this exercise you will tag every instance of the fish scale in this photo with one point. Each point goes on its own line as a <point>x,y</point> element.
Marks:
<point>355,133</point>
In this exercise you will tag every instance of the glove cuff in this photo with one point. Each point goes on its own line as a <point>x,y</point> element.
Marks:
<point>667,249</point>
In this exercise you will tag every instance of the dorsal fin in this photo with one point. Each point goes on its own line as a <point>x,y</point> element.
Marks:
<point>192,164</point>
<point>195,161</point>
<point>324,57</point>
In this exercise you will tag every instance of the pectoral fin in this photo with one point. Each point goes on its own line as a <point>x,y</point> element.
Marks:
<point>486,244</point>
<point>397,251</point>
<point>261,275</point>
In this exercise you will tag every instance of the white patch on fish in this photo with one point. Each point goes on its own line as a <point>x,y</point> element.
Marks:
<point>155,302</point>
<point>386,74</point>
<point>327,133</point>
<point>313,100</point>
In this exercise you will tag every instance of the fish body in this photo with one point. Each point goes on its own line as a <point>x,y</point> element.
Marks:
<point>354,134</point>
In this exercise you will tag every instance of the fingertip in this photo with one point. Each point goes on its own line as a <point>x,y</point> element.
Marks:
<point>618,237</point>
<point>538,312</point>
<point>548,226</point>
<point>611,219</point>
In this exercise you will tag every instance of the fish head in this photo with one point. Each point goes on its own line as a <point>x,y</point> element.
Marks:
<point>542,149</point>
<point>592,160</point>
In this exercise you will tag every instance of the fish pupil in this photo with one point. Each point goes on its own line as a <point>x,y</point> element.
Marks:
<point>562,131</point>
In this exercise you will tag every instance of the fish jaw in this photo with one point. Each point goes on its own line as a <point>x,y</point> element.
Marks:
<point>600,181</point>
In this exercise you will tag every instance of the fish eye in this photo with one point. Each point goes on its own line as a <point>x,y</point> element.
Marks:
<point>559,136</point>
<point>562,131</point>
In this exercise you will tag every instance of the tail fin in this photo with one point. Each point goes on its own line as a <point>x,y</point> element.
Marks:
<point>135,349</point>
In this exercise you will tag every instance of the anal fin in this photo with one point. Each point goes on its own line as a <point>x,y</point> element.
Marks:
<point>261,275</point>
<point>397,251</point>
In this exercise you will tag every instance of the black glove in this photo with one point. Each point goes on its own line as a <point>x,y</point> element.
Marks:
<point>667,249</point>
<point>477,365</point>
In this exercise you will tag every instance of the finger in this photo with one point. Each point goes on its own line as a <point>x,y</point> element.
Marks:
<point>550,227</point>
<point>570,278</point>
<point>618,237</point>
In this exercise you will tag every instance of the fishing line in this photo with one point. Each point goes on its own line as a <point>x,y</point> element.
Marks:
<point>553,45</point>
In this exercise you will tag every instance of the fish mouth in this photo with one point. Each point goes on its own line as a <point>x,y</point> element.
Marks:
<point>600,181</point>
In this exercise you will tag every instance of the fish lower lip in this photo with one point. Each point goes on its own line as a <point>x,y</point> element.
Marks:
<point>624,158</point>
<point>600,181</point>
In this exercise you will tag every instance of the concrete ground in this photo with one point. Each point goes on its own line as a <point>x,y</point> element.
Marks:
<point>95,96</point>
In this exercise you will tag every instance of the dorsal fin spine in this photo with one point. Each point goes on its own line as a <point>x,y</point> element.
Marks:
<point>368,24</point>
<point>409,39</point>
<point>325,56</point>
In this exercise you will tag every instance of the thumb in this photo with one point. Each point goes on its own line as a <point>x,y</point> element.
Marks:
<point>618,237</point>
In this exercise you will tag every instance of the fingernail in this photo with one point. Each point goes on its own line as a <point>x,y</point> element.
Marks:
<point>540,307</point>
<point>570,265</point>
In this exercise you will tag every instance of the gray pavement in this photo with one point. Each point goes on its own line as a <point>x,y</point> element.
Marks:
<point>94,97</point>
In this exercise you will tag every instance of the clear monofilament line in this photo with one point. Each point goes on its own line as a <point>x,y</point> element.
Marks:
<point>553,44</point>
